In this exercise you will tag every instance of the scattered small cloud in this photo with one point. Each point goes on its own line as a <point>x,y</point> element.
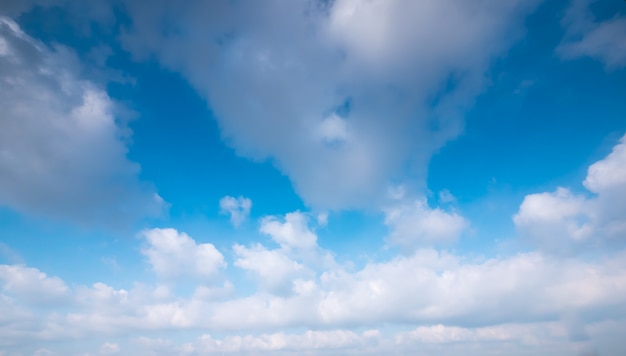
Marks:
<point>237,208</point>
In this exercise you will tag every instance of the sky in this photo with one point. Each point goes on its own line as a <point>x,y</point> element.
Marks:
<point>312,177</point>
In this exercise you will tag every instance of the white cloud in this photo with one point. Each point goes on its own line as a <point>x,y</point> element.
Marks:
<point>174,254</point>
<point>322,219</point>
<point>543,338</point>
<point>563,221</point>
<point>448,298</point>
<point>109,348</point>
<point>555,220</point>
<point>446,197</point>
<point>32,286</point>
<point>62,151</point>
<point>293,233</point>
<point>586,37</point>
<point>334,129</point>
<point>237,208</point>
<point>413,224</point>
<point>274,268</point>
<point>308,341</point>
<point>363,75</point>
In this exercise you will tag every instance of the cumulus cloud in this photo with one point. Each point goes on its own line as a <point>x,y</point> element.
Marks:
<point>274,268</point>
<point>414,224</point>
<point>174,254</point>
<point>237,208</point>
<point>297,255</point>
<point>587,37</point>
<point>449,300</point>
<point>293,233</point>
<point>32,286</point>
<point>563,221</point>
<point>62,150</point>
<point>342,95</point>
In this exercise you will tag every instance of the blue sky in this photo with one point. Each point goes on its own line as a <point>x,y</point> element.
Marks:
<point>312,177</point>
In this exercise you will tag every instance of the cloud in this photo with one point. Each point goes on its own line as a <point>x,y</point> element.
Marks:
<point>62,150</point>
<point>341,95</point>
<point>564,222</point>
<point>445,299</point>
<point>279,270</point>
<point>44,352</point>
<point>334,129</point>
<point>586,37</point>
<point>322,219</point>
<point>444,289</point>
<point>109,348</point>
<point>174,254</point>
<point>308,341</point>
<point>543,338</point>
<point>529,299</point>
<point>32,286</point>
<point>274,268</point>
<point>237,208</point>
<point>293,233</point>
<point>446,197</point>
<point>414,224</point>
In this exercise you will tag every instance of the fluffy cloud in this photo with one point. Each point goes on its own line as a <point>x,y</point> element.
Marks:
<point>342,95</point>
<point>586,37</point>
<point>62,150</point>
<point>451,300</point>
<point>32,286</point>
<point>293,233</point>
<point>237,208</point>
<point>274,268</point>
<point>418,224</point>
<point>279,269</point>
<point>172,254</point>
<point>563,221</point>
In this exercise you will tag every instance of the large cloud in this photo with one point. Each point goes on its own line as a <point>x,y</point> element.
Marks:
<point>62,150</point>
<point>346,97</point>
